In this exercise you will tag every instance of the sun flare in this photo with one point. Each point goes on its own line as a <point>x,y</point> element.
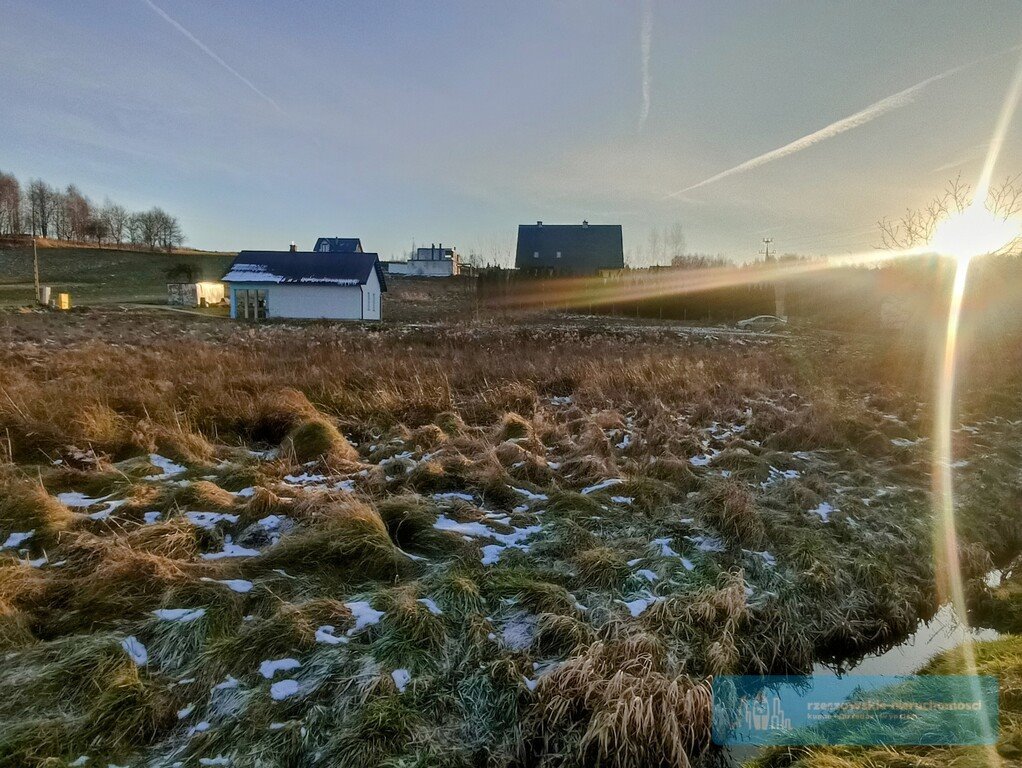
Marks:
<point>974,232</point>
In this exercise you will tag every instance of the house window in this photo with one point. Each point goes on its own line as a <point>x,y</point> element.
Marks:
<point>535,255</point>
<point>251,303</point>
<point>558,254</point>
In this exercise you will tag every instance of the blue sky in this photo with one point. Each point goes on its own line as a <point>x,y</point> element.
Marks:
<point>456,121</point>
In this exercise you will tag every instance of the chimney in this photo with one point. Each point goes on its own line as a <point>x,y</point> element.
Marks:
<point>440,252</point>
<point>539,223</point>
<point>294,247</point>
<point>585,223</point>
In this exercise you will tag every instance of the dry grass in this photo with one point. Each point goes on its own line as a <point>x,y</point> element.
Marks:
<point>548,623</point>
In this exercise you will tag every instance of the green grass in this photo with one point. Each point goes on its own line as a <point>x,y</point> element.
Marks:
<point>100,275</point>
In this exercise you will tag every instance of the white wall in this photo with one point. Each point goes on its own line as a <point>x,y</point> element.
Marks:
<point>372,298</point>
<point>331,302</point>
<point>422,268</point>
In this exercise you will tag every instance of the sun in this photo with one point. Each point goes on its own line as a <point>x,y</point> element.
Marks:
<point>974,232</point>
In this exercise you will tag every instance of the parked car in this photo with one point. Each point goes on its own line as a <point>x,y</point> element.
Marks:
<point>762,323</point>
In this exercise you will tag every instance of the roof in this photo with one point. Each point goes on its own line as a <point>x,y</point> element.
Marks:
<point>339,244</point>
<point>304,267</point>
<point>583,248</point>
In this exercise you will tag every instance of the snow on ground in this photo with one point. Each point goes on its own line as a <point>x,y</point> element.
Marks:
<point>325,635</point>
<point>182,615</point>
<point>364,614</point>
<point>608,483</point>
<point>431,605</point>
<point>270,668</point>
<point>170,469</point>
<point>230,550</point>
<point>283,689</point>
<point>401,678</point>
<point>823,511</point>
<point>210,520</point>
<point>135,650</point>
<point>15,540</point>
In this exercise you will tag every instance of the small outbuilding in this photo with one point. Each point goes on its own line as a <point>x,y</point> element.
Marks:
<point>206,294</point>
<point>346,285</point>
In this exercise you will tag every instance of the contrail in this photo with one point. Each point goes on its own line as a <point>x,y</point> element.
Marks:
<point>873,111</point>
<point>647,43</point>
<point>205,49</point>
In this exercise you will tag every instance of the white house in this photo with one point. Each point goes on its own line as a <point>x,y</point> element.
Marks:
<point>312,285</point>
<point>427,262</point>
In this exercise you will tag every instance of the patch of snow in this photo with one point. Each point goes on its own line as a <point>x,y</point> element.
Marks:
<point>135,650</point>
<point>365,615</point>
<point>450,495</point>
<point>640,605</point>
<point>647,574</point>
<point>209,520</point>
<point>78,500</point>
<point>622,499</point>
<point>183,713</point>
<point>15,540</point>
<point>227,684</point>
<point>270,668</point>
<point>530,495</point>
<point>230,550</point>
<point>170,469</point>
<point>519,631</point>
<point>325,635</point>
<point>530,684</point>
<point>283,689</point>
<point>609,482</point>
<point>78,762</point>
<point>665,547</point>
<point>707,543</point>
<point>430,605</point>
<point>823,511</point>
<point>151,517</point>
<point>182,615</point>
<point>401,678</point>
<point>199,728</point>
<point>218,760</point>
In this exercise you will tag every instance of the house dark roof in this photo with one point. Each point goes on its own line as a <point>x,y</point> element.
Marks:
<point>305,267</point>
<point>339,245</point>
<point>570,248</point>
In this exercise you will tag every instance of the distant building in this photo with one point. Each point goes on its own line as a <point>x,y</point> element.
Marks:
<point>575,249</point>
<point>332,285</point>
<point>204,294</point>
<point>435,261</point>
<point>338,245</point>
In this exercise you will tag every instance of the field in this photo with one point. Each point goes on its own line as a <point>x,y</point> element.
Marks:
<point>100,275</point>
<point>461,543</point>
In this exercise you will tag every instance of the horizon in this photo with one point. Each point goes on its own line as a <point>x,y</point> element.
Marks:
<point>639,114</point>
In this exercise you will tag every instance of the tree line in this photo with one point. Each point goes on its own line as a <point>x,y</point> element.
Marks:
<point>39,209</point>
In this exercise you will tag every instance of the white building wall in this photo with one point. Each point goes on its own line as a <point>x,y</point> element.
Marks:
<point>312,302</point>
<point>372,298</point>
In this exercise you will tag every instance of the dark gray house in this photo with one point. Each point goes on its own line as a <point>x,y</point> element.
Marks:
<point>338,245</point>
<point>575,249</point>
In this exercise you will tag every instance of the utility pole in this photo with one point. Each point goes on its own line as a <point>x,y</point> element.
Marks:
<point>767,241</point>
<point>35,267</point>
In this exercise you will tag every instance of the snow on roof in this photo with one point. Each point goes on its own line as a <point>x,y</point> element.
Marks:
<point>305,267</point>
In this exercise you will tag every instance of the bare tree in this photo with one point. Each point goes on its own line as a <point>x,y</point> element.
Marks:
<point>10,205</point>
<point>116,219</point>
<point>42,200</point>
<point>917,226</point>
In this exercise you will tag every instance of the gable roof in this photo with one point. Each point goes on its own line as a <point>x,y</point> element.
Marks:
<point>583,248</point>
<point>338,245</point>
<point>304,267</point>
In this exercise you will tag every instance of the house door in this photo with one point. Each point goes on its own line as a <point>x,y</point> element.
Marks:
<point>252,303</point>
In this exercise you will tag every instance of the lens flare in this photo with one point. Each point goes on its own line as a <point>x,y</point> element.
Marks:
<point>974,232</point>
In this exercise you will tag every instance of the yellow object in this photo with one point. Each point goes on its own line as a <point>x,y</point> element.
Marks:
<point>63,301</point>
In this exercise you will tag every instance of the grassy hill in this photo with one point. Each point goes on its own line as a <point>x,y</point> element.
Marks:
<point>100,275</point>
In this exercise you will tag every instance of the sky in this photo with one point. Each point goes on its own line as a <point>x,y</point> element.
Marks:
<point>258,123</point>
